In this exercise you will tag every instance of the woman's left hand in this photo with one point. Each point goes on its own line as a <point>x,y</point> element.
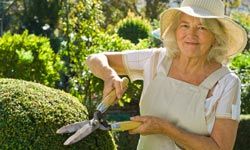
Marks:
<point>150,125</point>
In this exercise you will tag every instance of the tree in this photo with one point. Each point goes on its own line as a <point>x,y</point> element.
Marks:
<point>229,4</point>
<point>115,10</point>
<point>154,8</point>
<point>38,16</point>
<point>4,7</point>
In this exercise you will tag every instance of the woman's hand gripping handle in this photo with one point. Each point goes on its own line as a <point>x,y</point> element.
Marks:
<point>125,125</point>
<point>111,97</point>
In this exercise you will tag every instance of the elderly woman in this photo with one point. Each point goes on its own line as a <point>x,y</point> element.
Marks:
<point>190,99</point>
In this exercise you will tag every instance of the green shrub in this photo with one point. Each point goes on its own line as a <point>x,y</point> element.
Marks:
<point>30,114</point>
<point>241,65</point>
<point>126,141</point>
<point>134,28</point>
<point>243,138</point>
<point>28,57</point>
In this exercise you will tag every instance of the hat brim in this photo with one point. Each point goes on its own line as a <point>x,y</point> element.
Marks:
<point>237,36</point>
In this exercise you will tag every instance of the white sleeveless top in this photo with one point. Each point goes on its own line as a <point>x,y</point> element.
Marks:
<point>224,102</point>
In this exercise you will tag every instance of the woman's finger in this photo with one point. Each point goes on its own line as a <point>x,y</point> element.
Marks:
<point>111,84</point>
<point>108,87</point>
<point>139,118</point>
<point>118,88</point>
<point>135,131</point>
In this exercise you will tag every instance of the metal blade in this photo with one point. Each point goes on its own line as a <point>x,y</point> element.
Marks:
<point>81,133</point>
<point>102,127</point>
<point>72,127</point>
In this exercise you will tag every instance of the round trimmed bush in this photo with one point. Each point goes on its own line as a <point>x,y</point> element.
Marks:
<point>30,114</point>
<point>134,28</point>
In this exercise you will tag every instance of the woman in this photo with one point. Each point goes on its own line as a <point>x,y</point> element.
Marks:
<point>190,99</point>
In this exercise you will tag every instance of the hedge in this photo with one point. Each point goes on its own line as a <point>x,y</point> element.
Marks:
<point>30,114</point>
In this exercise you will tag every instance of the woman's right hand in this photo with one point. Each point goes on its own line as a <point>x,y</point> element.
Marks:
<point>107,67</point>
<point>114,82</point>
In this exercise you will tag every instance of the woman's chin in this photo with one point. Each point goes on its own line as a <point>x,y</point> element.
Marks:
<point>191,54</point>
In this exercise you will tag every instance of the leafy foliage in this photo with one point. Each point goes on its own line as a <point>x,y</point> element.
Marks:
<point>154,8</point>
<point>241,65</point>
<point>83,36</point>
<point>34,16</point>
<point>232,3</point>
<point>243,18</point>
<point>133,28</point>
<point>126,141</point>
<point>28,57</point>
<point>115,10</point>
<point>243,140</point>
<point>79,24</point>
<point>30,114</point>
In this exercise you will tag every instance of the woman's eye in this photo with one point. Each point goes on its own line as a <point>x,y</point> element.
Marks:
<point>202,28</point>
<point>184,25</point>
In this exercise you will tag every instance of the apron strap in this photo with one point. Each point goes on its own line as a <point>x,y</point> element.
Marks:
<point>155,63</point>
<point>213,78</point>
<point>165,65</point>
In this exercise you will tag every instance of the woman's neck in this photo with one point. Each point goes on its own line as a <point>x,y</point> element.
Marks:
<point>193,71</point>
<point>187,65</point>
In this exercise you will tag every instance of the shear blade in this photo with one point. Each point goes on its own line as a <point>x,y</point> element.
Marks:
<point>81,133</point>
<point>72,127</point>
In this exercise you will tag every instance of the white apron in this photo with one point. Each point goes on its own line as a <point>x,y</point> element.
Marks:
<point>179,102</point>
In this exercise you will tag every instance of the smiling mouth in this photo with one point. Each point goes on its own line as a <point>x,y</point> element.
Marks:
<point>191,43</point>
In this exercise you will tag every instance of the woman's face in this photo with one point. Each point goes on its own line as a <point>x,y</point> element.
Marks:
<point>193,39</point>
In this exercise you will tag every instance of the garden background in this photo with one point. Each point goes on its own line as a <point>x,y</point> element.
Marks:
<point>47,42</point>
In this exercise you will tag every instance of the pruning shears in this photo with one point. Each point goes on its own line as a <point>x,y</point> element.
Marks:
<point>86,127</point>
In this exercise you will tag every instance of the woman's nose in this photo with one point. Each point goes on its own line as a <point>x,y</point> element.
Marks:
<point>192,31</point>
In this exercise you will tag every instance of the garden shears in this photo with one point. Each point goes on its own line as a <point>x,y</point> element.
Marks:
<point>86,127</point>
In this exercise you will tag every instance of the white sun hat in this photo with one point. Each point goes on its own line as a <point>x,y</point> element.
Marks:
<point>237,36</point>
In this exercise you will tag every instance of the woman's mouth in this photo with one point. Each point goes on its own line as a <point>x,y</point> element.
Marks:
<point>192,43</point>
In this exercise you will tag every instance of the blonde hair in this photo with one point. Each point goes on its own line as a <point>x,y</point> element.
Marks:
<point>218,51</point>
<point>169,38</point>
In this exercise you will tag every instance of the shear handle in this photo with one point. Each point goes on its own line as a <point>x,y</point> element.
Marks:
<point>111,97</point>
<point>125,125</point>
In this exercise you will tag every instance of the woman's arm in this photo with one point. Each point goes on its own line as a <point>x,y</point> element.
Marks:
<point>107,66</point>
<point>222,137</point>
